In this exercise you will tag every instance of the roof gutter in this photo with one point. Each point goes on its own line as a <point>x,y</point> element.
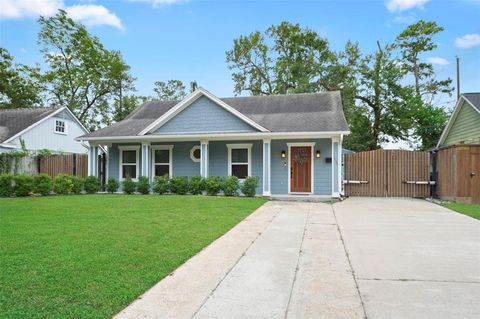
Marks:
<point>217,136</point>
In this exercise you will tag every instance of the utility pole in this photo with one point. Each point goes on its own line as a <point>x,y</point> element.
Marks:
<point>458,77</point>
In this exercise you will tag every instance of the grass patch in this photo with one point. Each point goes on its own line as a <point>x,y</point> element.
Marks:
<point>89,256</point>
<point>472,210</point>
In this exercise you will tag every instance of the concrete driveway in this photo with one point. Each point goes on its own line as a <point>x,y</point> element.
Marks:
<point>364,257</point>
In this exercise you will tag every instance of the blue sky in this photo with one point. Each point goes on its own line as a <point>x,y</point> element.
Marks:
<point>187,40</point>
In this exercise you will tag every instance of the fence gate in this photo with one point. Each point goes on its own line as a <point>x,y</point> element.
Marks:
<point>387,173</point>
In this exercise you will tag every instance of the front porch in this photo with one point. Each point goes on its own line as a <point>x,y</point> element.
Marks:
<point>274,161</point>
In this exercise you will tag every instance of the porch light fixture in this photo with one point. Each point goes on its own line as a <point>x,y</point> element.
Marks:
<point>284,154</point>
<point>317,155</point>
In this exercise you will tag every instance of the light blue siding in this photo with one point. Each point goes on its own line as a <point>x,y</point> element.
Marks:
<point>218,159</point>
<point>202,116</point>
<point>114,160</point>
<point>322,170</point>
<point>182,163</point>
<point>218,162</point>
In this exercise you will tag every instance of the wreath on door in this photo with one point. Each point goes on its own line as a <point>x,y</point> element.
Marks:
<point>300,156</point>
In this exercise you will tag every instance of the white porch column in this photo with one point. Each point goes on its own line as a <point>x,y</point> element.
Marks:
<point>146,160</point>
<point>340,168</point>
<point>336,167</point>
<point>204,158</point>
<point>267,152</point>
<point>93,160</point>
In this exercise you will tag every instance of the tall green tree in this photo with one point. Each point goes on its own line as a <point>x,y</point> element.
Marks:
<point>284,59</point>
<point>127,105</point>
<point>82,74</point>
<point>172,90</point>
<point>19,84</point>
<point>415,40</point>
<point>429,120</point>
<point>382,98</point>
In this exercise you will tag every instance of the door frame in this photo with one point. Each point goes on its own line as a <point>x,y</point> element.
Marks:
<point>312,166</point>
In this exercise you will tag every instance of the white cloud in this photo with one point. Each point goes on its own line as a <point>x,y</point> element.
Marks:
<point>93,15</point>
<point>438,60</point>
<point>90,14</point>
<point>468,41</point>
<point>158,3</point>
<point>28,8</point>
<point>402,5</point>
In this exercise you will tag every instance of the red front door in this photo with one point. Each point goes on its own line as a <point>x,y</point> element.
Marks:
<point>301,169</point>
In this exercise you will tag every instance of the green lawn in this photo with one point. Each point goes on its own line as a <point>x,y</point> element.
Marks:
<point>472,210</point>
<point>88,256</point>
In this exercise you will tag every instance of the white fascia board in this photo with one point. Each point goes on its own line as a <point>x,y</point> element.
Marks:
<point>217,137</point>
<point>188,101</point>
<point>9,146</point>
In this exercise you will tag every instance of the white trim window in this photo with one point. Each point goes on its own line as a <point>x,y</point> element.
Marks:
<point>162,160</point>
<point>60,126</point>
<point>195,154</point>
<point>128,162</point>
<point>240,160</point>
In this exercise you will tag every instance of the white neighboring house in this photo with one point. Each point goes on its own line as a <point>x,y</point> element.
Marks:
<point>54,129</point>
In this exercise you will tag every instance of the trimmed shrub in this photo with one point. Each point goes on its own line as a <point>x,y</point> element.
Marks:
<point>23,185</point>
<point>92,184</point>
<point>143,186</point>
<point>230,186</point>
<point>77,184</point>
<point>128,186</point>
<point>179,185</point>
<point>42,184</point>
<point>160,184</point>
<point>249,185</point>
<point>6,185</point>
<point>196,185</point>
<point>112,185</point>
<point>213,185</point>
<point>63,184</point>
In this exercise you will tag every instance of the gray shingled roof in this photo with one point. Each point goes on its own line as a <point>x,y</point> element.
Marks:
<point>474,98</point>
<point>13,121</point>
<point>309,112</point>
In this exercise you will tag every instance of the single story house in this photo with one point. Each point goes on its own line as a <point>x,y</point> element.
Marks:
<point>292,143</point>
<point>49,128</point>
<point>463,127</point>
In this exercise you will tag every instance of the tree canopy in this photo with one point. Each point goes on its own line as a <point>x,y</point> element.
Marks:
<point>19,87</point>
<point>379,102</point>
<point>82,74</point>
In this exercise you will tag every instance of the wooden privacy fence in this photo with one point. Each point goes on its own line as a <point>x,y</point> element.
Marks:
<point>458,168</point>
<point>387,173</point>
<point>71,164</point>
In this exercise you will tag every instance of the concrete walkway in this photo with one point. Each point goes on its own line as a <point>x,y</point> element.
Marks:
<point>284,260</point>
<point>364,257</point>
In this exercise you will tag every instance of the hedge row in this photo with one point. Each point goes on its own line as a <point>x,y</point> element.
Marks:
<point>182,185</point>
<point>43,184</point>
